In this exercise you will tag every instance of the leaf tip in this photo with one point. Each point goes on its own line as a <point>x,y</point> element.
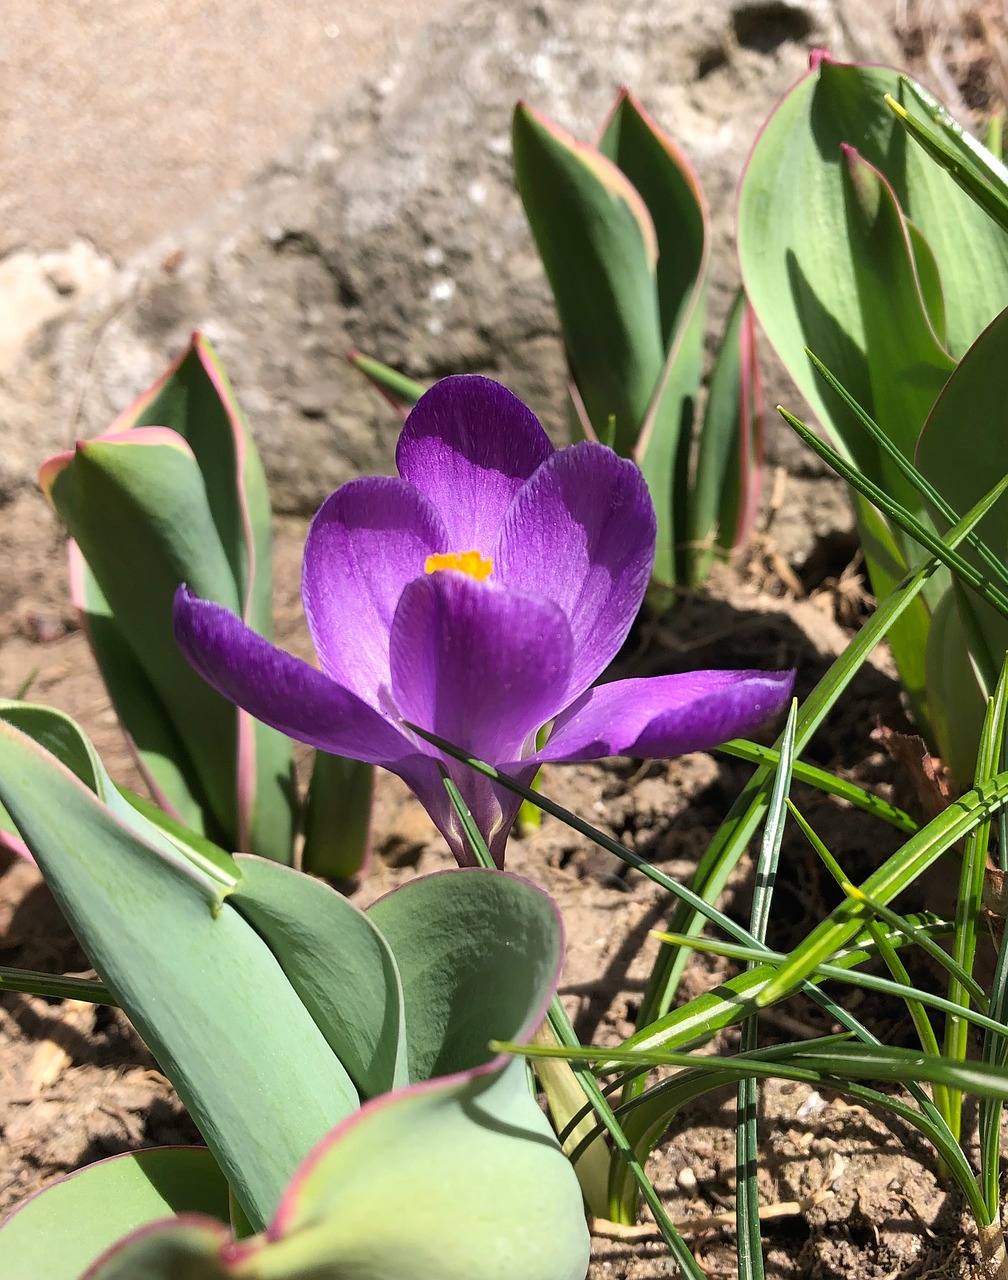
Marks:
<point>51,469</point>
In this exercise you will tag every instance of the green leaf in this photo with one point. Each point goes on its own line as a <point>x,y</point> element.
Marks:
<point>958,452</point>
<point>666,182</point>
<point>797,261</point>
<point>337,821</point>
<point>195,399</point>
<point>338,962</point>
<point>907,364</point>
<point>59,1232</point>
<point>202,517</point>
<point>665,444</point>
<point>725,490</point>
<point>458,1180</point>
<point>454,1180</point>
<point>453,935</point>
<point>599,247</point>
<point>861,257</point>
<point>401,392</point>
<point>671,192</point>
<point>144,491</point>
<point>160,751</point>
<point>200,985</point>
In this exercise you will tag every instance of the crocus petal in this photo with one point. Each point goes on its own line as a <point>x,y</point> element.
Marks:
<point>478,664</point>
<point>493,808</point>
<point>469,445</point>
<point>368,540</point>
<point>280,689</point>
<point>582,532</point>
<point>666,715</point>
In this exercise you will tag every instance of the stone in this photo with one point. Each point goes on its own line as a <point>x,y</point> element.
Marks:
<point>394,228</point>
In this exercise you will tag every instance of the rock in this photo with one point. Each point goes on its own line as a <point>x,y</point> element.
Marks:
<point>35,287</point>
<point>394,228</point>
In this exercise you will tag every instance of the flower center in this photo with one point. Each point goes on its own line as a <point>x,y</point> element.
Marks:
<point>470,562</point>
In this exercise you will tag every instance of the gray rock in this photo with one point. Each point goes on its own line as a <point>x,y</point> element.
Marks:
<point>394,228</point>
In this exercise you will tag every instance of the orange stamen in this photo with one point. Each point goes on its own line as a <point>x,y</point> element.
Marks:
<point>470,562</point>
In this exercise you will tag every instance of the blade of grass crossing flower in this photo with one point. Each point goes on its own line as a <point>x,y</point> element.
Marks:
<point>773,831</point>
<point>971,882</point>
<point>747,1218</point>
<point>478,845</point>
<point>579,825</point>
<point>824,781</point>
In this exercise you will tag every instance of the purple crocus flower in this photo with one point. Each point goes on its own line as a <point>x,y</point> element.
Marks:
<point>479,595</point>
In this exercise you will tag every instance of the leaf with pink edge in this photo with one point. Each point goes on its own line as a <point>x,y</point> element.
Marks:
<point>457,1179</point>
<point>598,245</point>
<point>477,926</point>
<point>205,518</point>
<point>200,985</point>
<point>728,475</point>
<point>60,1231</point>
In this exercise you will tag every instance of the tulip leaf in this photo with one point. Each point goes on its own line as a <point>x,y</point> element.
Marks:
<point>454,1180</point>
<point>879,263</point>
<point>958,451</point>
<point>401,392</point>
<point>798,264</point>
<point>665,443</point>
<point>188,1248</point>
<point>195,399</point>
<point>907,365</point>
<point>477,926</point>
<point>598,246</point>
<point>159,750</point>
<point>199,984</point>
<point>59,1232</point>
<point>730,450</point>
<point>671,192</point>
<point>339,964</point>
<point>337,821</point>
<point>143,491</point>
<point>178,481</point>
